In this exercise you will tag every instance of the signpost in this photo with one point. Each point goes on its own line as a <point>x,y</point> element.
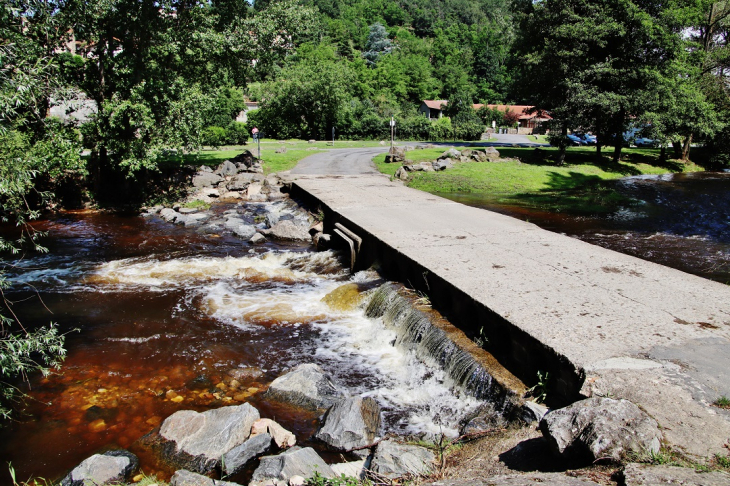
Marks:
<point>333,136</point>
<point>392,133</point>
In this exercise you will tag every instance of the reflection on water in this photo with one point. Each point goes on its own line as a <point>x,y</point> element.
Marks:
<point>173,320</point>
<point>681,221</point>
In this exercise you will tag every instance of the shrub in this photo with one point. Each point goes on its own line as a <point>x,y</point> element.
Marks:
<point>213,136</point>
<point>236,133</point>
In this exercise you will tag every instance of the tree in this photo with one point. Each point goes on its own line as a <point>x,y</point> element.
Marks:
<point>377,45</point>
<point>32,148</point>
<point>595,64</point>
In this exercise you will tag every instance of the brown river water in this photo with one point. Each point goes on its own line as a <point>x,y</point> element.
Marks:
<point>169,319</point>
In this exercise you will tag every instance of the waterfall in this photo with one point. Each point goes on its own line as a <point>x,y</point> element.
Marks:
<point>417,331</point>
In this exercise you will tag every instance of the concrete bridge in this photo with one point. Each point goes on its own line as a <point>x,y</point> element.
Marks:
<point>599,322</point>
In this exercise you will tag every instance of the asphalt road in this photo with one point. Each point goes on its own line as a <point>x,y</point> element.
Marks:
<point>340,162</point>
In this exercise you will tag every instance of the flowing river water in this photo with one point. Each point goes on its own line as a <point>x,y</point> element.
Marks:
<point>169,319</point>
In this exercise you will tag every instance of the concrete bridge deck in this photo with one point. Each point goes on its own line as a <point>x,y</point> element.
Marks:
<point>599,321</point>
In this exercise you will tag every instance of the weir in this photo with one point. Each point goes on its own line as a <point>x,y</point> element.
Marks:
<point>434,340</point>
<point>598,322</point>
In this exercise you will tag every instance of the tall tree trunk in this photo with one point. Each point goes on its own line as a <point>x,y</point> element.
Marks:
<point>686,147</point>
<point>663,153</point>
<point>677,147</point>
<point>617,148</point>
<point>561,152</point>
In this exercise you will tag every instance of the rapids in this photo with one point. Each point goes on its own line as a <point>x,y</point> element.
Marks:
<point>169,319</point>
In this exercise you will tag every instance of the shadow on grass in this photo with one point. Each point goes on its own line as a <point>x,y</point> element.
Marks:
<point>574,193</point>
<point>588,156</point>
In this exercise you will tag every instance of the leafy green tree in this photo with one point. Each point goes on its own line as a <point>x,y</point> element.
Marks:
<point>595,64</point>
<point>32,148</point>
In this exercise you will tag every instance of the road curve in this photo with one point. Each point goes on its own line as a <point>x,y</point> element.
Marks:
<point>349,161</point>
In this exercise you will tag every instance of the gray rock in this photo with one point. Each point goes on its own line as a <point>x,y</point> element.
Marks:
<point>227,169</point>
<point>645,475</point>
<point>244,160</point>
<point>280,150</point>
<point>187,478</point>
<point>443,164</point>
<point>257,239</point>
<point>491,154</point>
<point>452,153</point>
<point>294,462</point>
<point>350,423</point>
<point>100,469</point>
<point>401,173</point>
<point>187,210</point>
<point>237,458</point>
<point>527,479</point>
<point>182,219</point>
<point>306,386</point>
<point>600,428</point>
<point>355,469</point>
<point>205,168</point>
<point>206,179</point>
<point>483,418</point>
<point>197,441</point>
<point>395,460</point>
<point>289,230</point>
<point>395,155</point>
<point>239,182</point>
<point>533,412</point>
<point>244,231</point>
<point>169,215</point>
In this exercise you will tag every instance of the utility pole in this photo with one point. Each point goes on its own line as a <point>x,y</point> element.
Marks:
<point>333,136</point>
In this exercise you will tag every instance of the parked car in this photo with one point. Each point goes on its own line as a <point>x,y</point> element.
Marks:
<point>574,140</point>
<point>645,142</point>
<point>587,139</point>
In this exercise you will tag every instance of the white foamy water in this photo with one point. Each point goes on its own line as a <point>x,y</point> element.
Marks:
<point>258,292</point>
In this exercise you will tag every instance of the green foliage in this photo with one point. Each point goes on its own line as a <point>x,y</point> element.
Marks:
<point>214,136</point>
<point>540,390</point>
<point>342,480</point>
<point>722,402</point>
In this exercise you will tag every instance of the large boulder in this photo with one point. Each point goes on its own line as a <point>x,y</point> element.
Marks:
<point>290,230</point>
<point>244,160</point>
<point>394,460</point>
<point>645,475</point>
<point>227,169</point>
<point>293,462</point>
<point>443,164</point>
<point>169,215</point>
<point>306,386</point>
<point>351,423</point>
<point>452,153</point>
<point>600,428</point>
<point>239,182</point>
<point>395,155</point>
<point>187,478</point>
<point>401,173</point>
<point>525,479</point>
<point>237,458</point>
<point>491,154</point>
<point>100,469</point>
<point>197,441</point>
<point>206,179</point>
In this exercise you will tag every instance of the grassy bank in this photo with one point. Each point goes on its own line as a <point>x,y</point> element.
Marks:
<point>529,177</point>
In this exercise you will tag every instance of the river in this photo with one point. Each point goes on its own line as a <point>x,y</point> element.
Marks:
<point>160,318</point>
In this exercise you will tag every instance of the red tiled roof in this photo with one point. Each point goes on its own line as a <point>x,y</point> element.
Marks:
<point>522,109</point>
<point>435,104</point>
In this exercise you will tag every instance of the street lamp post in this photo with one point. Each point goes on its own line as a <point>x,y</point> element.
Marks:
<point>392,133</point>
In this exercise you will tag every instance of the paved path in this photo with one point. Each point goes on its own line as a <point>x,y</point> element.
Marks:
<point>615,324</point>
<point>340,162</point>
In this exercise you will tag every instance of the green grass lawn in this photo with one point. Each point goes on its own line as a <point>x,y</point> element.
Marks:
<point>296,150</point>
<point>526,178</point>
